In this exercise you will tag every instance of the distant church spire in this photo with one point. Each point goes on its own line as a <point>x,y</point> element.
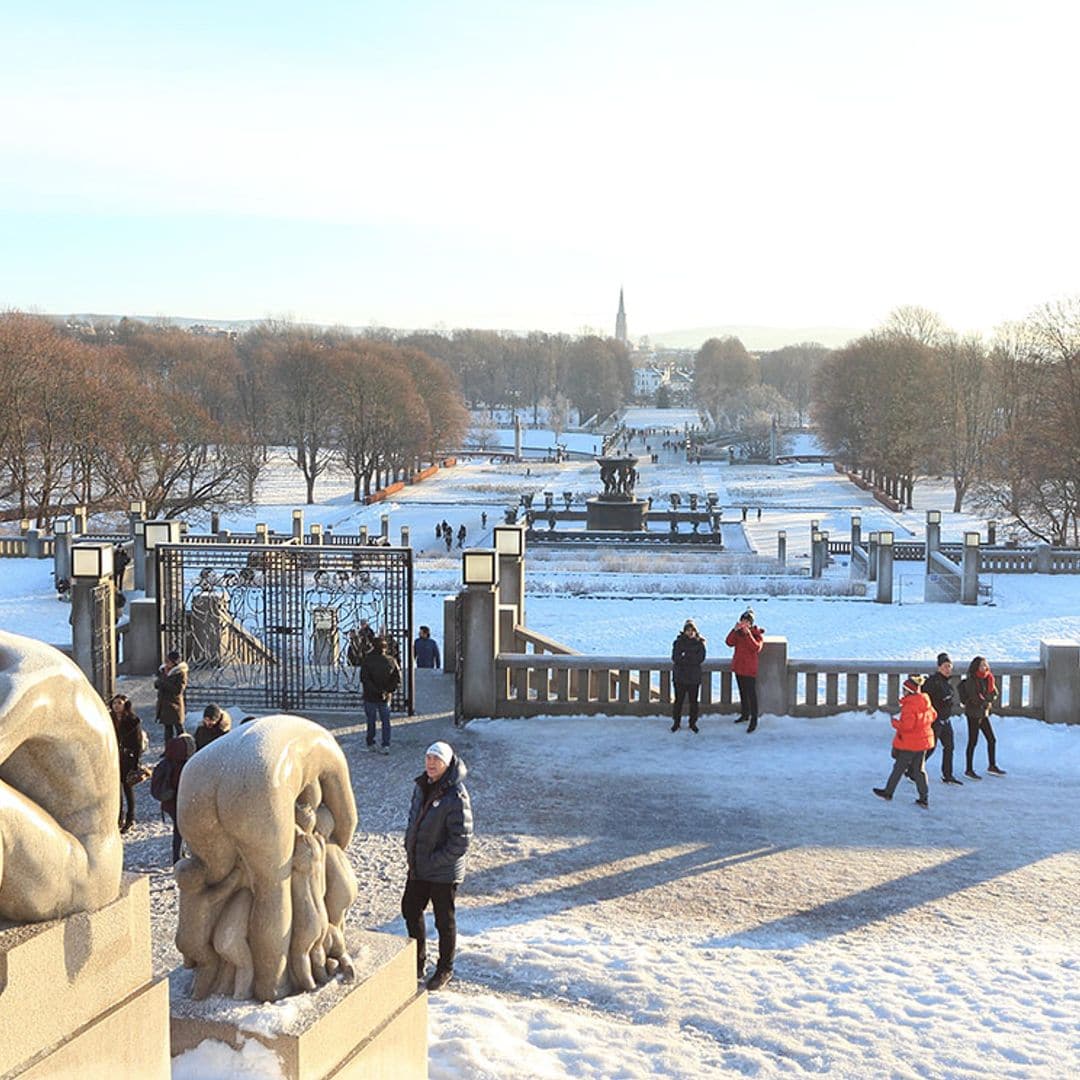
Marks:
<point>620,320</point>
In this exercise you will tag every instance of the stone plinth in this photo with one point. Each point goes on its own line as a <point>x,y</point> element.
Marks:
<point>615,515</point>
<point>77,998</point>
<point>373,1027</point>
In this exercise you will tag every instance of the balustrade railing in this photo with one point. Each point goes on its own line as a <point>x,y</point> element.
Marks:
<point>542,683</point>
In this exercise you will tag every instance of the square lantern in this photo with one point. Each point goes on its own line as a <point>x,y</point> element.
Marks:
<point>478,567</point>
<point>137,507</point>
<point>62,526</point>
<point>885,538</point>
<point>140,528</point>
<point>971,539</point>
<point>157,533</point>
<point>933,517</point>
<point>856,521</point>
<point>509,540</point>
<point>782,533</point>
<point>92,561</point>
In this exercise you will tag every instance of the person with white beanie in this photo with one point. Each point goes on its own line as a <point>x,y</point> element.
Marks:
<point>436,842</point>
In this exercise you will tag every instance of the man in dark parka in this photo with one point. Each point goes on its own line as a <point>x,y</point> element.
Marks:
<point>436,842</point>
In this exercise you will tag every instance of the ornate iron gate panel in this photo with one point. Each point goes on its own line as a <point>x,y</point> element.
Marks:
<point>284,626</point>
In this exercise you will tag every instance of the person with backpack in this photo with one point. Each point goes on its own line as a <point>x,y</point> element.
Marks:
<point>165,782</point>
<point>978,692</point>
<point>940,691</point>
<point>132,742</point>
<point>170,684</point>
<point>914,736</point>
<point>747,640</point>
<point>687,656</point>
<point>380,676</point>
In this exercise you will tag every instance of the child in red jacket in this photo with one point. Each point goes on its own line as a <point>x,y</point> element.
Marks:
<point>914,736</point>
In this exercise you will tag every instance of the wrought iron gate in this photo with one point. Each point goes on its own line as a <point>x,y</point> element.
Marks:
<point>284,626</point>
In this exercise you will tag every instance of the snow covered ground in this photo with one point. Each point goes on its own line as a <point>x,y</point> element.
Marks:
<point>642,903</point>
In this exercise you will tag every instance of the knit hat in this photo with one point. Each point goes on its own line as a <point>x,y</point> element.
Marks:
<point>748,615</point>
<point>442,750</point>
<point>943,658</point>
<point>913,683</point>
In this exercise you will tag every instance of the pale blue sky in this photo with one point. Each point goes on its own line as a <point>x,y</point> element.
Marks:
<point>510,164</point>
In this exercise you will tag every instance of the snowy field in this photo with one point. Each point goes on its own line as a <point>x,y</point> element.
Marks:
<point>649,904</point>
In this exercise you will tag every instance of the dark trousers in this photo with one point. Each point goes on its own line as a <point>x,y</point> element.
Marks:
<point>747,696</point>
<point>975,725</point>
<point>128,791</point>
<point>177,840</point>
<point>172,730</point>
<point>912,762</point>
<point>687,692</point>
<point>943,732</point>
<point>414,902</point>
<point>374,711</point>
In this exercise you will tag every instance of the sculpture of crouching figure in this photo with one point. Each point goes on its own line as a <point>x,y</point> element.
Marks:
<point>267,812</point>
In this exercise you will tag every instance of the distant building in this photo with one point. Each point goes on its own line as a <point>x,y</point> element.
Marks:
<point>649,379</point>
<point>620,321</point>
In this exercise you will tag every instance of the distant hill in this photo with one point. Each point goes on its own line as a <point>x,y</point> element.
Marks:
<point>759,337</point>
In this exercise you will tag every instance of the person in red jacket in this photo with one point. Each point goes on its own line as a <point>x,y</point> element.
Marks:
<point>747,640</point>
<point>914,736</point>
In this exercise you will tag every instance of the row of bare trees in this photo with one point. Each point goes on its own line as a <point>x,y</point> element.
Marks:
<point>187,421</point>
<point>592,373</point>
<point>1000,418</point>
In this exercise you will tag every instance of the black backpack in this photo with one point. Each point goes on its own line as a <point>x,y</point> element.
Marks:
<point>162,784</point>
<point>964,689</point>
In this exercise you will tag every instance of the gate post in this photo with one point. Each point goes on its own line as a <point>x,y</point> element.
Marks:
<point>138,555</point>
<point>969,584</point>
<point>884,567</point>
<point>62,528</point>
<point>156,534</point>
<point>856,530</point>
<point>93,615</point>
<point>510,544</point>
<point>449,633</point>
<point>479,632</point>
<point>772,678</point>
<point>384,526</point>
<point>298,524</point>
<point>405,536</point>
<point>1061,688</point>
<point>1043,557</point>
<point>78,516</point>
<point>781,547</point>
<point>933,537</point>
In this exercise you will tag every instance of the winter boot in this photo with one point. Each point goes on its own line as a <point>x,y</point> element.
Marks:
<point>437,981</point>
<point>752,726</point>
<point>881,793</point>
<point>676,725</point>
<point>924,803</point>
<point>693,726</point>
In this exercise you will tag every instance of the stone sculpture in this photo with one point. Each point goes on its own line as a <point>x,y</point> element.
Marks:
<point>267,812</point>
<point>60,848</point>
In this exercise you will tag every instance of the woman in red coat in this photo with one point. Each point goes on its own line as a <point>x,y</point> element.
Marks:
<point>747,640</point>
<point>914,736</point>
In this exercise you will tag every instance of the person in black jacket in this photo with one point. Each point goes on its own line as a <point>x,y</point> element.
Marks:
<point>170,684</point>
<point>939,688</point>
<point>436,842</point>
<point>380,676</point>
<point>215,723</point>
<point>687,656</point>
<point>129,740</point>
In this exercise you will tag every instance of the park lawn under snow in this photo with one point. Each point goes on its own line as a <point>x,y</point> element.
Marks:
<point>642,903</point>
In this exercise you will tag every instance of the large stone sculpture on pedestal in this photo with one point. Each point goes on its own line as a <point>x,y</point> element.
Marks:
<point>77,993</point>
<point>616,509</point>
<point>267,812</point>
<point>60,847</point>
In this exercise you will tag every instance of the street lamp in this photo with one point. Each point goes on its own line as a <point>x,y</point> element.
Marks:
<point>478,567</point>
<point>92,561</point>
<point>509,540</point>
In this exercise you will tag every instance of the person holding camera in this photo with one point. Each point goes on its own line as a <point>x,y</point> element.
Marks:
<point>747,640</point>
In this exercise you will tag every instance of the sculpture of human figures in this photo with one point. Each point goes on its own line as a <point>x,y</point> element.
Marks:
<point>251,800</point>
<point>60,847</point>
